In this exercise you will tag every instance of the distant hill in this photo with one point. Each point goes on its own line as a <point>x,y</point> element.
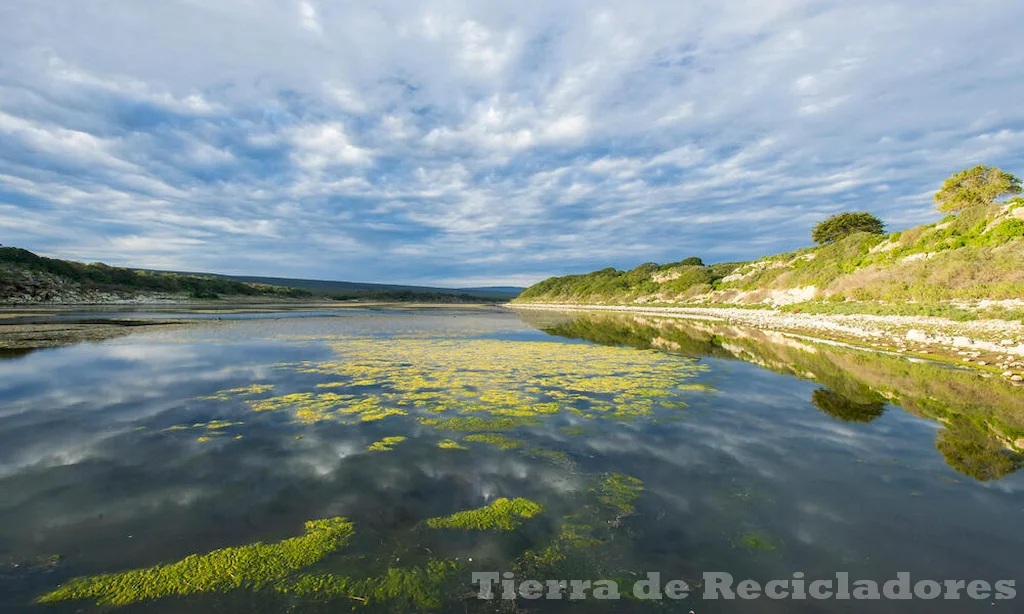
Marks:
<point>27,278</point>
<point>974,257</point>
<point>362,289</point>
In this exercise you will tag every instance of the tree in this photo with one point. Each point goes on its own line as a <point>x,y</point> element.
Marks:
<point>843,224</point>
<point>981,185</point>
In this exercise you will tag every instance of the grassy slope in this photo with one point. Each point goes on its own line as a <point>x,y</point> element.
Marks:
<point>975,255</point>
<point>23,273</point>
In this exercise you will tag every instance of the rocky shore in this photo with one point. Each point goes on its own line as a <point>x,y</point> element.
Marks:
<point>995,347</point>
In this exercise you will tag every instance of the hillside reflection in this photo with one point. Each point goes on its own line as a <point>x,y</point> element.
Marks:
<point>983,418</point>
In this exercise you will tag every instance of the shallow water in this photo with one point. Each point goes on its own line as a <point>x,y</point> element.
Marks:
<point>646,445</point>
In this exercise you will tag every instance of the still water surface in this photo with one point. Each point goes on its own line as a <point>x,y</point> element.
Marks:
<point>621,445</point>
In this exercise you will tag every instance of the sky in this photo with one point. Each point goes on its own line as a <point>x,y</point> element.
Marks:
<point>487,143</point>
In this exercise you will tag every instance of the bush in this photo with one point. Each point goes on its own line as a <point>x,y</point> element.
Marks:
<point>844,224</point>
<point>1006,231</point>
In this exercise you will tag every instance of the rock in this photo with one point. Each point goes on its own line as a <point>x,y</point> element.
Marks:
<point>1016,378</point>
<point>1007,342</point>
<point>1019,443</point>
<point>916,335</point>
<point>962,342</point>
<point>982,363</point>
<point>1007,373</point>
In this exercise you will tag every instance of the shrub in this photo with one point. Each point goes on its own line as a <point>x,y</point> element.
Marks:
<point>845,224</point>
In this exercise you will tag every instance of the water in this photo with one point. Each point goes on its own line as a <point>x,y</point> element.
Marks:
<point>641,444</point>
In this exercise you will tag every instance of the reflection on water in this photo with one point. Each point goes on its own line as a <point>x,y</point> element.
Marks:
<point>374,461</point>
<point>7,354</point>
<point>984,419</point>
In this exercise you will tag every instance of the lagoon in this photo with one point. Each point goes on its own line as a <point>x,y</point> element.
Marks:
<point>374,459</point>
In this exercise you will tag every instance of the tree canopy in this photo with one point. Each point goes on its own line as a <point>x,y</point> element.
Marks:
<point>843,224</point>
<point>981,185</point>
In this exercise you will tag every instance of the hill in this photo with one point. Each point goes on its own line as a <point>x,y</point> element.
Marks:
<point>27,278</point>
<point>970,263</point>
<point>355,289</point>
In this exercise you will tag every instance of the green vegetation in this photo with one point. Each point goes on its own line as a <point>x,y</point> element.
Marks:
<point>495,440</point>
<point>402,588</point>
<point>255,566</point>
<point>386,444</point>
<point>449,444</point>
<point>845,224</point>
<point>974,254</point>
<point>752,540</point>
<point>501,515</point>
<point>976,187</point>
<point>472,424</point>
<point>18,265</point>
<point>581,548</point>
<point>620,491</point>
<point>686,278</point>
<point>28,277</point>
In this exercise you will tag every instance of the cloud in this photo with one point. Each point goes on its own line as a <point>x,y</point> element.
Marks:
<point>307,13</point>
<point>486,142</point>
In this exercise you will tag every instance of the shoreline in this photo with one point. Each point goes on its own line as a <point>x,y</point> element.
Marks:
<point>993,347</point>
<point>20,337</point>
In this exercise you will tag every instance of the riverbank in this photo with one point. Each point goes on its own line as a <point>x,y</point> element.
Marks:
<point>992,346</point>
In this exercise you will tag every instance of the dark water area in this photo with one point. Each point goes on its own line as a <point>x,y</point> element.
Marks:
<point>584,447</point>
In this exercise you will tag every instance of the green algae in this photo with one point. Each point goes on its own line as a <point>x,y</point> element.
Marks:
<point>227,395</point>
<point>555,457</point>
<point>386,444</point>
<point>449,444</point>
<point>311,408</point>
<point>501,515</point>
<point>473,424</point>
<point>416,588</point>
<point>495,439</point>
<point>486,385</point>
<point>580,548</point>
<point>752,540</point>
<point>254,566</point>
<point>620,492</point>
<point>506,379</point>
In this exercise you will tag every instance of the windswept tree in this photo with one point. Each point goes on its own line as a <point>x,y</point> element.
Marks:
<point>843,224</point>
<point>981,185</point>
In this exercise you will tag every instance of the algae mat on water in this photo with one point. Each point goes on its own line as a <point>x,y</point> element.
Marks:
<point>278,567</point>
<point>254,566</point>
<point>478,388</point>
<point>508,383</point>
